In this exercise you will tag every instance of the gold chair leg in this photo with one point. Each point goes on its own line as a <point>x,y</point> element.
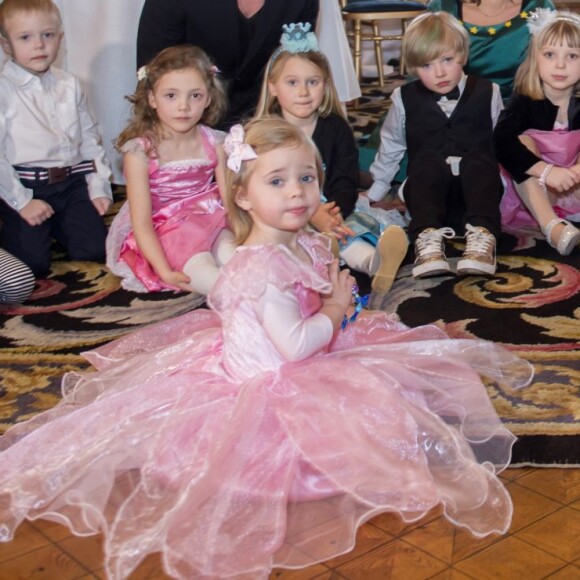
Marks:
<point>357,50</point>
<point>378,52</point>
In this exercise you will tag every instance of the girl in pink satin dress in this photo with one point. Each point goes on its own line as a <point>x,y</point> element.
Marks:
<point>171,234</point>
<point>264,432</point>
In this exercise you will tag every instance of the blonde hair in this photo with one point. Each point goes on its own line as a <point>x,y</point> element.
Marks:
<point>263,135</point>
<point>564,29</point>
<point>430,35</point>
<point>9,8</point>
<point>145,122</point>
<point>269,105</point>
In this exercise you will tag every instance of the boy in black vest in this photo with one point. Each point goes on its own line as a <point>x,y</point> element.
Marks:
<point>444,121</point>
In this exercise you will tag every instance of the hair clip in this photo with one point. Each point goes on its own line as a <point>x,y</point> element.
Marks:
<point>236,150</point>
<point>359,303</point>
<point>298,38</point>
<point>142,73</point>
<point>215,70</point>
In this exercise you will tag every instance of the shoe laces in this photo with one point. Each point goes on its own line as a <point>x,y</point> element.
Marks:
<point>430,241</point>
<point>478,240</point>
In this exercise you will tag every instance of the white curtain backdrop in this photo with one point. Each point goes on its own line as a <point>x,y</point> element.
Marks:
<point>99,48</point>
<point>333,42</point>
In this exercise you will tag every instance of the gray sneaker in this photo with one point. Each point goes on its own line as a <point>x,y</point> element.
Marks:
<point>430,257</point>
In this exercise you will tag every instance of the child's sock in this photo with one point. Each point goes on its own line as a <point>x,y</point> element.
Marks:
<point>359,256</point>
<point>202,271</point>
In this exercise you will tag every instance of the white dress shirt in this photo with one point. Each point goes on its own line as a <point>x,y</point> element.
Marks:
<point>394,140</point>
<point>45,122</point>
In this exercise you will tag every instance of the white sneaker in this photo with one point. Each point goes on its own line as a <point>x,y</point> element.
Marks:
<point>479,254</point>
<point>391,251</point>
<point>430,257</point>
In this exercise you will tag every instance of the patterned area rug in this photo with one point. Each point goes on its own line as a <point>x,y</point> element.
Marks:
<point>531,306</point>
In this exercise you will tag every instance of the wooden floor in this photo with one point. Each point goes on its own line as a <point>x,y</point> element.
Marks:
<point>544,542</point>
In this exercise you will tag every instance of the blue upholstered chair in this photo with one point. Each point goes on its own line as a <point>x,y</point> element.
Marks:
<point>372,13</point>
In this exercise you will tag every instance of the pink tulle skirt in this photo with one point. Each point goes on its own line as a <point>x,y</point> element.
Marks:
<point>560,147</point>
<point>162,450</point>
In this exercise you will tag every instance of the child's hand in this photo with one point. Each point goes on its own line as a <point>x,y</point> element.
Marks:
<point>562,178</point>
<point>342,283</point>
<point>340,233</point>
<point>576,169</point>
<point>177,280</point>
<point>327,217</point>
<point>328,220</point>
<point>36,212</point>
<point>102,204</point>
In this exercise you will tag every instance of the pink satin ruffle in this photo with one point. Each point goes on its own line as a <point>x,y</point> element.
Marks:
<point>187,215</point>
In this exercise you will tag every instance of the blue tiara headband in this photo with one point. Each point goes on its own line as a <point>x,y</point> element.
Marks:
<point>296,38</point>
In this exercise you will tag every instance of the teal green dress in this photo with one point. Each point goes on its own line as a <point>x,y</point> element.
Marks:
<point>496,51</point>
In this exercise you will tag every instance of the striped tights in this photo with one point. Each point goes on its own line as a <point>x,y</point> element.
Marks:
<point>16,279</point>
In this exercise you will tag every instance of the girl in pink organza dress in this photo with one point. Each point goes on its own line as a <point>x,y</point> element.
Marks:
<point>171,234</point>
<point>537,138</point>
<point>259,434</point>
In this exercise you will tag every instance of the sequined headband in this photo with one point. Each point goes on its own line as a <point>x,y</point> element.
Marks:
<point>542,17</point>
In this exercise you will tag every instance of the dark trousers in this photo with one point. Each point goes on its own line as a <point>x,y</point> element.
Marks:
<point>76,224</point>
<point>436,198</point>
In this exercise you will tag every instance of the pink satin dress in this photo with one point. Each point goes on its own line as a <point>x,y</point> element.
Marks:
<point>200,439</point>
<point>187,213</point>
<point>560,147</point>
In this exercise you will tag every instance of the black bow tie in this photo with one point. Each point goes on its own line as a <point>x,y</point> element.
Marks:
<point>452,95</point>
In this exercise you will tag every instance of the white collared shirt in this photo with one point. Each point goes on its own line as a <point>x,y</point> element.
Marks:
<point>45,122</point>
<point>394,141</point>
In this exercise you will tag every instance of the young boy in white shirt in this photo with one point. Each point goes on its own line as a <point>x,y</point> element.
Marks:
<point>444,121</point>
<point>54,179</point>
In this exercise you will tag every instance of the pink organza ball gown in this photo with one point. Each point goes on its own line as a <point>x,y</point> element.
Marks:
<point>248,437</point>
<point>187,213</point>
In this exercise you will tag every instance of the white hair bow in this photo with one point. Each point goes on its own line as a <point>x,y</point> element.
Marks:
<point>236,150</point>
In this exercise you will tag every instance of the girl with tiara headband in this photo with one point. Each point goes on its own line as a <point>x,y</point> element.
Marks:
<point>263,433</point>
<point>298,86</point>
<point>537,138</point>
<point>171,234</point>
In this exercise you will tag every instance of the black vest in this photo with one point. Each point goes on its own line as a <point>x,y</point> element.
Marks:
<point>428,127</point>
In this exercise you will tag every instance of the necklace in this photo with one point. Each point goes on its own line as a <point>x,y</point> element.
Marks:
<point>493,15</point>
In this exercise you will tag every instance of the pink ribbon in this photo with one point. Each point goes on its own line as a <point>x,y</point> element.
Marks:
<point>236,150</point>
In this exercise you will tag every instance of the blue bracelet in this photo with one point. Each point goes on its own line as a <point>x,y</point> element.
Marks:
<point>359,303</point>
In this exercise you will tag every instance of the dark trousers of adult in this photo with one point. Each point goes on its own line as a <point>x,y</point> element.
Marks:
<point>76,224</point>
<point>436,198</point>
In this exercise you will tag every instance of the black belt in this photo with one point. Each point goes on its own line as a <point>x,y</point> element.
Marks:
<point>36,176</point>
